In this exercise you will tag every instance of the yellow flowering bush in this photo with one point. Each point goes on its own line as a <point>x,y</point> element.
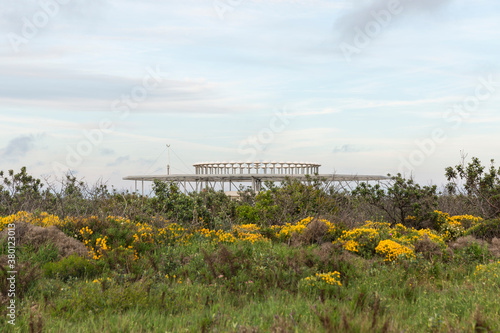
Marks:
<point>219,236</point>
<point>172,233</point>
<point>452,227</point>
<point>380,226</point>
<point>321,282</point>
<point>393,251</point>
<point>488,272</point>
<point>97,248</point>
<point>289,229</point>
<point>432,235</point>
<point>351,246</point>
<point>286,231</point>
<point>360,240</point>
<point>410,236</point>
<point>43,219</point>
<point>144,233</point>
<point>100,280</point>
<point>19,217</point>
<point>248,232</point>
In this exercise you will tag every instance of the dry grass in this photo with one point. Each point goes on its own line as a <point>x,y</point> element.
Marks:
<point>494,247</point>
<point>466,241</point>
<point>428,248</point>
<point>315,232</point>
<point>37,236</point>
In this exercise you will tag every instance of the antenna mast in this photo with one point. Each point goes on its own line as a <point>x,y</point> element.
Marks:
<point>168,165</point>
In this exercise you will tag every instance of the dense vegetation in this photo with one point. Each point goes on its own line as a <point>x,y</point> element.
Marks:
<point>296,257</point>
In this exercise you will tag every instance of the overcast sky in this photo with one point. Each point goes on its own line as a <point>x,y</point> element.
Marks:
<point>362,87</point>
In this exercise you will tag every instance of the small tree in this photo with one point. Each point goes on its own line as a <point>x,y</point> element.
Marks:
<point>288,202</point>
<point>20,191</point>
<point>479,186</point>
<point>401,201</point>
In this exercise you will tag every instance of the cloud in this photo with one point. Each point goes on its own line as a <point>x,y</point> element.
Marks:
<point>19,147</point>
<point>119,161</point>
<point>346,25</point>
<point>314,112</point>
<point>107,151</point>
<point>14,13</point>
<point>69,89</point>
<point>346,149</point>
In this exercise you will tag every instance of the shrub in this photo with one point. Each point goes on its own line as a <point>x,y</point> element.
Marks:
<point>401,199</point>
<point>470,249</point>
<point>394,251</point>
<point>19,192</point>
<point>488,272</point>
<point>292,200</point>
<point>207,208</point>
<point>28,274</point>
<point>487,230</point>
<point>315,232</point>
<point>362,240</point>
<point>247,214</point>
<point>323,282</point>
<point>308,230</point>
<point>72,266</point>
<point>43,254</point>
<point>481,188</point>
<point>427,247</point>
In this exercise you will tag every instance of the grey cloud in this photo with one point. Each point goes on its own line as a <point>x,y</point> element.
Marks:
<point>71,89</point>
<point>13,13</point>
<point>107,151</point>
<point>119,161</point>
<point>19,147</point>
<point>47,84</point>
<point>345,26</point>
<point>346,149</point>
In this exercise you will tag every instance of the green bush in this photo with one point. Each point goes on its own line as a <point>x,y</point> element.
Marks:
<point>479,186</point>
<point>247,214</point>
<point>211,208</point>
<point>486,230</point>
<point>72,266</point>
<point>47,252</point>
<point>289,202</point>
<point>473,252</point>
<point>401,199</point>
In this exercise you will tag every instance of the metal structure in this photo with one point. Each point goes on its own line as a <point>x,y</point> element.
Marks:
<point>273,168</point>
<point>168,165</point>
<point>212,174</point>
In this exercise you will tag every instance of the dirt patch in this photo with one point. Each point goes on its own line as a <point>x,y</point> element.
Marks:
<point>36,236</point>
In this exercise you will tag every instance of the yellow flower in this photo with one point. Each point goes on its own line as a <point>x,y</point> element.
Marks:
<point>394,251</point>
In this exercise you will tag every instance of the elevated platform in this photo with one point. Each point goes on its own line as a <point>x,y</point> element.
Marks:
<point>201,181</point>
<point>250,177</point>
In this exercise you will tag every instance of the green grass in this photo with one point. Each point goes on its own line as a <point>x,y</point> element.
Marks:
<point>244,287</point>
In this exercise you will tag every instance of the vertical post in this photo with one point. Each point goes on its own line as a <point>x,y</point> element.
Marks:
<point>168,165</point>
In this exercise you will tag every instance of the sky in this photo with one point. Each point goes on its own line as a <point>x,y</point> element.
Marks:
<point>100,87</point>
